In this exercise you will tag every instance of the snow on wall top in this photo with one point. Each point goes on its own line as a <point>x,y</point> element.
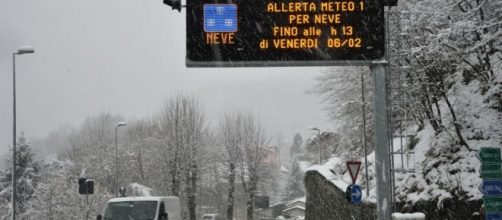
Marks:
<point>325,170</point>
<point>335,171</point>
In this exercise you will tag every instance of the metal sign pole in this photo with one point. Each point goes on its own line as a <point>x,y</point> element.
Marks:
<point>364,137</point>
<point>86,206</point>
<point>14,137</point>
<point>381,137</point>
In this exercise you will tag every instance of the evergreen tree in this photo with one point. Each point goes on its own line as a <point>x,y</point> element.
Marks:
<point>27,178</point>
<point>296,146</point>
<point>294,188</point>
<point>56,196</point>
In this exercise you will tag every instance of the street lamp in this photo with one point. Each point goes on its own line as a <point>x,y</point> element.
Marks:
<point>318,141</point>
<point>20,51</point>
<point>120,124</point>
<point>25,49</point>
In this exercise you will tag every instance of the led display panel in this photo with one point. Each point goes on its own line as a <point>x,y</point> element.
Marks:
<point>284,32</point>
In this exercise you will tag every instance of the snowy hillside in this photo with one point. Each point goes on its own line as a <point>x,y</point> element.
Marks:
<point>448,170</point>
<point>443,168</point>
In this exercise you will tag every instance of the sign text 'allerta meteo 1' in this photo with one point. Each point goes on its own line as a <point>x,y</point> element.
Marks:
<point>283,32</point>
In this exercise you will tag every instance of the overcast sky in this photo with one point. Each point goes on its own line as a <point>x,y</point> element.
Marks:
<point>126,57</point>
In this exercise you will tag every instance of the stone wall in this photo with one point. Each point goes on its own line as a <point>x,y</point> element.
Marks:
<point>326,202</point>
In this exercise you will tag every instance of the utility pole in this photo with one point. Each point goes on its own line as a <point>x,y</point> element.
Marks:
<point>14,137</point>
<point>364,137</point>
<point>381,137</point>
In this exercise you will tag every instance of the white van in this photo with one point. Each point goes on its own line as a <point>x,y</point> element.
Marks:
<point>141,208</point>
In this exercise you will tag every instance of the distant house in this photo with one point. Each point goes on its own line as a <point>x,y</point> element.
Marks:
<point>271,156</point>
<point>297,202</point>
<point>272,212</point>
<point>295,209</point>
<point>291,210</point>
<point>294,212</point>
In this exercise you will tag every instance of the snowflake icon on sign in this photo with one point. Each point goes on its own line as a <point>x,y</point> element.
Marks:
<point>220,10</point>
<point>221,18</point>
<point>210,22</point>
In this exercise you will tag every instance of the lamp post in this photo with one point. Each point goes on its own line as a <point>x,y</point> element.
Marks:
<point>20,51</point>
<point>120,124</point>
<point>318,141</point>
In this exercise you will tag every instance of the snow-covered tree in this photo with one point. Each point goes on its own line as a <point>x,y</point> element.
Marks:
<point>57,197</point>
<point>142,150</point>
<point>251,164</point>
<point>328,142</point>
<point>340,91</point>
<point>297,144</point>
<point>452,41</point>
<point>231,137</point>
<point>27,179</point>
<point>294,186</point>
<point>181,129</point>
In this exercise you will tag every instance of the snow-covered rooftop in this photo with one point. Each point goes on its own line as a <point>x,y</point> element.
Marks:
<point>303,199</point>
<point>295,207</point>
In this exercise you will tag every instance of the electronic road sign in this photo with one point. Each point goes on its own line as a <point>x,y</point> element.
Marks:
<point>284,33</point>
